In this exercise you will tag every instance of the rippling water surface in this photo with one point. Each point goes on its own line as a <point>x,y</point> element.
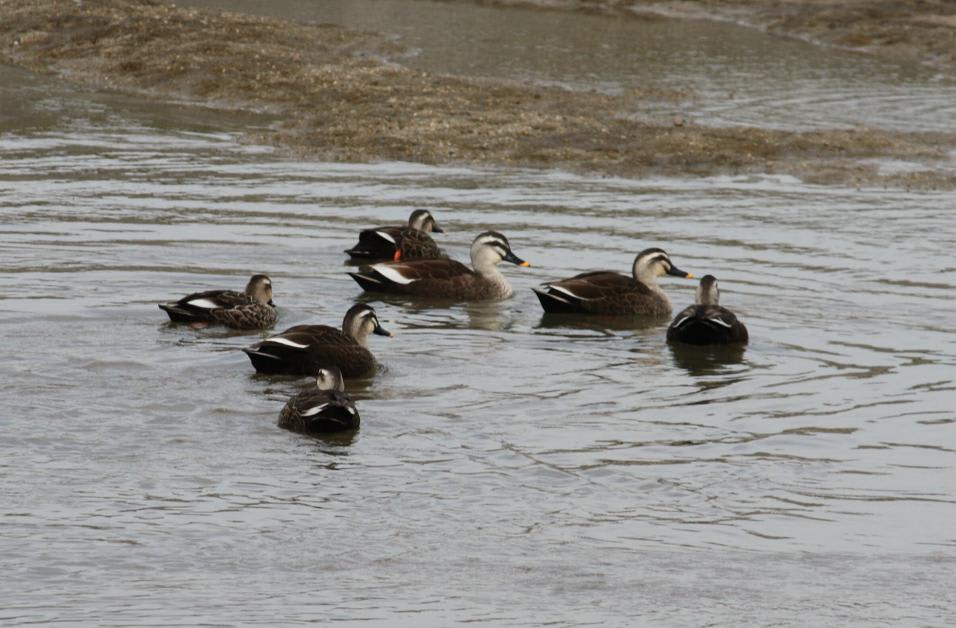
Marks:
<point>510,469</point>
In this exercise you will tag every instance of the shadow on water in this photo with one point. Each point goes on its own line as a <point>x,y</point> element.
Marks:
<point>332,443</point>
<point>487,315</point>
<point>706,359</point>
<point>603,324</point>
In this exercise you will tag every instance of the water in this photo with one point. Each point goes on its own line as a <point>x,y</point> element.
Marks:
<point>510,469</point>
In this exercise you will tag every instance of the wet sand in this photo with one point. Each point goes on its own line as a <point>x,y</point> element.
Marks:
<point>922,31</point>
<point>336,96</point>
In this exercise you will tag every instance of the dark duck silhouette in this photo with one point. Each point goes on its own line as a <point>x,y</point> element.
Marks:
<point>302,349</point>
<point>707,322</point>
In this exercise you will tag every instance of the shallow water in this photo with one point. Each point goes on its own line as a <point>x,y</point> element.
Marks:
<point>713,73</point>
<point>511,469</point>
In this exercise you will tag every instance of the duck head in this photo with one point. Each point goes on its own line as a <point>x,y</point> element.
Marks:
<point>260,289</point>
<point>490,249</point>
<point>423,220</point>
<point>653,263</point>
<point>360,321</point>
<point>330,378</point>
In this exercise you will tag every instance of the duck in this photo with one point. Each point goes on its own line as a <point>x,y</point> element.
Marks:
<point>447,278</point>
<point>325,408</point>
<point>610,292</point>
<point>302,349</point>
<point>400,242</point>
<point>707,322</point>
<point>250,309</point>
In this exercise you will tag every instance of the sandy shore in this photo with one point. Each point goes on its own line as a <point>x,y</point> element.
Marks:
<point>336,98</point>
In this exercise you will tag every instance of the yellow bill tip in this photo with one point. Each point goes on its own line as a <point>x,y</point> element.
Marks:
<point>524,264</point>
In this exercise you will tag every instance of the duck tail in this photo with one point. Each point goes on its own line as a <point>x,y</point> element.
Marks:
<point>178,314</point>
<point>554,304</point>
<point>262,361</point>
<point>367,282</point>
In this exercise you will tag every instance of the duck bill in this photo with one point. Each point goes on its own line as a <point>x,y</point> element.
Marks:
<point>436,228</point>
<point>514,259</point>
<point>675,271</point>
<point>381,331</point>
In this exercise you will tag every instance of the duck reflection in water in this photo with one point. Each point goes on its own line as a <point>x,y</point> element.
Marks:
<point>706,360</point>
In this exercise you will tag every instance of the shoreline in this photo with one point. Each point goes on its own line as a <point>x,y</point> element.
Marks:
<point>336,97</point>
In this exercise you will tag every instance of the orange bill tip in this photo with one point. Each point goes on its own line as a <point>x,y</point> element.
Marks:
<point>690,276</point>
<point>397,256</point>
<point>524,264</point>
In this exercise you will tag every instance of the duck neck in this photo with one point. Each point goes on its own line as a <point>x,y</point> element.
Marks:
<point>648,277</point>
<point>356,331</point>
<point>708,295</point>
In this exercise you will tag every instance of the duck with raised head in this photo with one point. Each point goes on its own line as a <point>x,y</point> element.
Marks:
<point>325,408</point>
<point>251,309</point>
<point>400,242</point>
<point>302,349</point>
<point>609,292</point>
<point>446,278</point>
<point>707,322</point>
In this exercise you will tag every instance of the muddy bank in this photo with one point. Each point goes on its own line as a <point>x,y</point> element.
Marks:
<point>336,96</point>
<point>918,30</point>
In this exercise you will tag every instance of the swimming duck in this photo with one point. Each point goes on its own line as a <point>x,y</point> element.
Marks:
<point>401,242</point>
<point>325,408</point>
<point>446,278</point>
<point>706,322</point>
<point>302,349</point>
<point>609,292</point>
<point>252,309</point>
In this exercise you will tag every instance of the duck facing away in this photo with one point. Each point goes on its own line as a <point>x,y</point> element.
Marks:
<point>446,278</point>
<point>609,292</point>
<point>252,309</point>
<point>303,349</point>
<point>707,322</point>
<point>400,242</point>
<point>325,408</point>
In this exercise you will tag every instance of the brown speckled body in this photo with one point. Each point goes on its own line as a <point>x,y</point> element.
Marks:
<point>604,292</point>
<point>445,279</point>
<point>249,316</point>
<point>409,244</point>
<point>252,309</point>
<point>322,345</point>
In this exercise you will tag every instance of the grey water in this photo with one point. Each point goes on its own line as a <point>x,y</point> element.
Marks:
<point>510,469</point>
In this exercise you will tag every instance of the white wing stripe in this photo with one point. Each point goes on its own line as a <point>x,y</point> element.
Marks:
<point>315,410</point>
<point>385,236</point>
<point>391,274</point>
<point>285,341</point>
<point>206,303</point>
<point>720,322</point>
<point>569,293</point>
